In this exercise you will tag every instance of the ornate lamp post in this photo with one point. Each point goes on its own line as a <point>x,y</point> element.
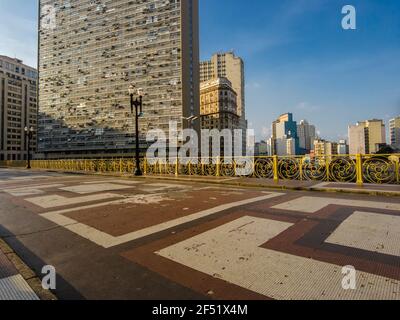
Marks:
<point>137,103</point>
<point>29,136</point>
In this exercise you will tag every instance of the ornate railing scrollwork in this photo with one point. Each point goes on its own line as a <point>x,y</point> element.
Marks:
<point>379,170</point>
<point>315,170</point>
<point>264,168</point>
<point>289,168</point>
<point>342,169</point>
<point>376,169</point>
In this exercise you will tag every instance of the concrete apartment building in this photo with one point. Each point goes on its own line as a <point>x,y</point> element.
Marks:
<point>307,134</point>
<point>394,128</point>
<point>90,57</point>
<point>366,137</point>
<point>325,149</point>
<point>228,65</point>
<point>18,107</point>
<point>218,108</point>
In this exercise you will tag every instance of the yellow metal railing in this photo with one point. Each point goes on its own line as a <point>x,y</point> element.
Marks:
<point>360,169</point>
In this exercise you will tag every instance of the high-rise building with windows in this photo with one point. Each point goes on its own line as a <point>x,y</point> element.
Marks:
<point>325,149</point>
<point>89,56</point>
<point>284,140</point>
<point>367,137</point>
<point>343,147</point>
<point>307,135</point>
<point>18,108</point>
<point>394,127</point>
<point>228,65</point>
<point>218,110</point>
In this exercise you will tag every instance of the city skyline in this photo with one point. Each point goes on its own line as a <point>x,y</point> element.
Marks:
<point>297,57</point>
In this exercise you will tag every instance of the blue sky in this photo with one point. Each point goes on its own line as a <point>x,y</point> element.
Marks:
<point>298,58</point>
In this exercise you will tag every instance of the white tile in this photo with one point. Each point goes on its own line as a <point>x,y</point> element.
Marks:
<point>96,187</point>
<point>31,191</point>
<point>119,181</point>
<point>232,253</point>
<point>53,201</point>
<point>315,204</point>
<point>369,231</point>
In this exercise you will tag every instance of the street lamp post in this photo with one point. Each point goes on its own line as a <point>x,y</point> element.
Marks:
<point>137,103</point>
<point>29,136</point>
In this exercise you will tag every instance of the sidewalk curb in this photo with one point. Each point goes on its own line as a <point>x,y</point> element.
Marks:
<point>27,273</point>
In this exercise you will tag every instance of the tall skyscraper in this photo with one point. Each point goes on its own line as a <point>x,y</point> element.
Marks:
<point>307,135</point>
<point>367,137</point>
<point>18,108</point>
<point>285,140</point>
<point>228,65</point>
<point>394,125</point>
<point>90,56</point>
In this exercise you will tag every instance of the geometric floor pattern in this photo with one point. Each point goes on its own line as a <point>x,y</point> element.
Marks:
<point>228,243</point>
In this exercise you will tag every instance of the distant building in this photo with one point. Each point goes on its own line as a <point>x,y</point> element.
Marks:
<point>218,108</point>
<point>228,65</point>
<point>343,147</point>
<point>262,149</point>
<point>18,107</point>
<point>307,135</point>
<point>367,136</point>
<point>325,149</point>
<point>284,141</point>
<point>394,127</point>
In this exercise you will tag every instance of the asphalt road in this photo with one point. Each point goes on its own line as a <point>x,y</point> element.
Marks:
<point>116,238</point>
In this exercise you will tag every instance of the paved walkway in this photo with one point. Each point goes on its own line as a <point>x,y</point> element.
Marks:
<point>13,286</point>
<point>128,238</point>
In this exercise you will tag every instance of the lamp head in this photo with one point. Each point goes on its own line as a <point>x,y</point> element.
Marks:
<point>140,92</point>
<point>131,90</point>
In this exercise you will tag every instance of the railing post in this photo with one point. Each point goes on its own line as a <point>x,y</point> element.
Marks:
<point>360,180</point>
<point>301,168</point>
<point>217,173</point>
<point>145,166</point>
<point>177,167</point>
<point>276,169</point>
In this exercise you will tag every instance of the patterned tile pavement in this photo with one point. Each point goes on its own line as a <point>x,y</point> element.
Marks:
<point>145,239</point>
